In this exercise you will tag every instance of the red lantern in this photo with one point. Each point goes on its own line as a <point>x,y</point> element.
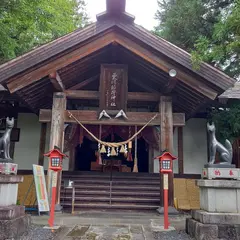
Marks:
<point>166,162</point>
<point>55,164</point>
<point>166,167</point>
<point>56,159</point>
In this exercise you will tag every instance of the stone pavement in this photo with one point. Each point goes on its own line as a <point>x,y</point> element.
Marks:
<point>115,226</point>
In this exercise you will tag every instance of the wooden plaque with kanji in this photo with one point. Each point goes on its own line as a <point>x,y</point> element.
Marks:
<point>113,87</point>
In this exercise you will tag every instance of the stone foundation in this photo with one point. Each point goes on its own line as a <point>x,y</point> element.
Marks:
<point>219,217</point>
<point>13,221</point>
<point>221,196</point>
<point>9,189</point>
<point>205,226</point>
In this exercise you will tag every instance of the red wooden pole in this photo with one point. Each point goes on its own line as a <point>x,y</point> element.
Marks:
<point>53,201</point>
<point>165,192</point>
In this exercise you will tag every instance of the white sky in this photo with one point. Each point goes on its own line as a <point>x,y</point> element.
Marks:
<point>143,10</point>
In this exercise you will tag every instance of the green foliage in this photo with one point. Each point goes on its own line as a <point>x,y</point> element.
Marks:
<point>182,22</point>
<point>222,48</point>
<point>26,24</point>
<point>227,121</point>
<point>210,30</point>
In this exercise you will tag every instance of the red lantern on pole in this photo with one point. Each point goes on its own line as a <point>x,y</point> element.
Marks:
<point>166,167</point>
<point>56,160</point>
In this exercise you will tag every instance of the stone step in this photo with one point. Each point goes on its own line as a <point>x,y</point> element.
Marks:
<point>106,193</point>
<point>117,188</point>
<point>130,191</point>
<point>114,177</point>
<point>114,182</point>
<point>116,174</point>
<point>88,199</point>
<point>101,206</point>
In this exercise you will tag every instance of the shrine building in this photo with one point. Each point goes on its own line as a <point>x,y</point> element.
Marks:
<point>106,82</point>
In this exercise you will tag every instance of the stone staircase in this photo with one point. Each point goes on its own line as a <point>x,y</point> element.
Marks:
<point>129,191</point>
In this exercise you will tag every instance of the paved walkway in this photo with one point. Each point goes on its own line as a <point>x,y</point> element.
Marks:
<point>115,226</point>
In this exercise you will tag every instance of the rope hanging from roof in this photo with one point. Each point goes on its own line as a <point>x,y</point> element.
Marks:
<point>111,144</point>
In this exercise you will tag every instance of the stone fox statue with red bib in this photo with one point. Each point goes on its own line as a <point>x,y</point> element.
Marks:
<point>225,152</point>
<point>5,141</point>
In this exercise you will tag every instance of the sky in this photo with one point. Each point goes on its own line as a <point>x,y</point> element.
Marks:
<point>143,11</point>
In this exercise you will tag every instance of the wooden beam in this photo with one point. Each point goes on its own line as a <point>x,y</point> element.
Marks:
<point>180,151</point>
<point>35,75</point>
<point>94,95</point>
<point>172,82</point>
<point>82,94</point>
<point>84,83</point>
<point>143,96</point>
<point>142,85</point>
<point>56,81</point>
<point>42,144</point>
<point>166,143</point>
<point>165,66</point>
<point>91,117</point>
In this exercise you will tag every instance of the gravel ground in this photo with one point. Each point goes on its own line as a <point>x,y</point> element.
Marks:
<point>178,235</point>
<point>38,233</point>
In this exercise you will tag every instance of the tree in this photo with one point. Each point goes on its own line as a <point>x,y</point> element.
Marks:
<point>210,30</point>
<point>222,48</point>
<point>182,22</point>
<point>26,24</point>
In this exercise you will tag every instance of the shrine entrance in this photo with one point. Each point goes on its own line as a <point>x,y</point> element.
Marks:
<point>86,157</point>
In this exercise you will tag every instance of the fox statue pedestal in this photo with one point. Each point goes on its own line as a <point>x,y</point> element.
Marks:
<point>13,220</point>
<point>219,217</point>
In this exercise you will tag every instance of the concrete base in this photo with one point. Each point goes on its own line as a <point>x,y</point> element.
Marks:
<point>13,222</point>
<point>221,173</point>
<point>9,189</point>
<point>8,168</point>
<point>219,165</point>
<point>201,231</point>
<point>58,208</point>
<point>219,196</point>
<point>11,212</point>
<point>171,210</point>
<point>161,229</point>
<point>216,218</point>
<point>11,229</point>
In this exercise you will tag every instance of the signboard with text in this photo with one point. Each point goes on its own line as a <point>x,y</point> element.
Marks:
<point>227,173</point>
<point>113,87</point>
<point>41,190</point>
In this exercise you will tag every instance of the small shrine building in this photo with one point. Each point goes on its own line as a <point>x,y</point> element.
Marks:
<point>113,77</point>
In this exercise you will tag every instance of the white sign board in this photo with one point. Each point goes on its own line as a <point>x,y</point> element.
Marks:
<point>41,190</point>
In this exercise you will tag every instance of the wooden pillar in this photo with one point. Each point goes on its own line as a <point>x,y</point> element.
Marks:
<point>56,134</point>
<point>72,158</point>
<point>180,151</point>
<point>166,139</point>
<point>42,143</point>
<point>150,159</point>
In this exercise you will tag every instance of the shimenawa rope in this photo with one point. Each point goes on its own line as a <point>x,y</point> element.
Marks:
<point>111,144</point>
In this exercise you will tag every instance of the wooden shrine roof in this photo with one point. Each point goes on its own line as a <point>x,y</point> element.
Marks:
<point>232,93</point>
<point>114,38</point>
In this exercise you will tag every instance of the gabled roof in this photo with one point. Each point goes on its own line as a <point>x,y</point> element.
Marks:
<point>232,93</point>
<point>76,39</point>
<point>80,53</point>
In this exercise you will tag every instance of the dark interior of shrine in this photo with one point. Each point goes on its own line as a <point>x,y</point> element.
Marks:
<point>85,155</point>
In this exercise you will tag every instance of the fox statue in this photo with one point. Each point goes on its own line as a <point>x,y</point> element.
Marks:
<point>5,139</point>
<point>225,152</point>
